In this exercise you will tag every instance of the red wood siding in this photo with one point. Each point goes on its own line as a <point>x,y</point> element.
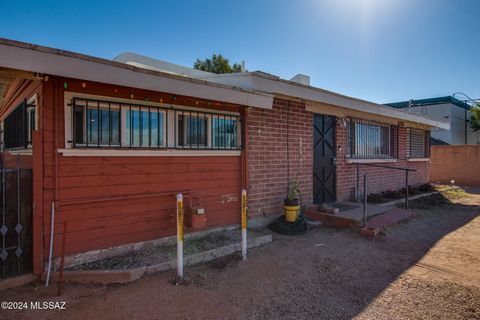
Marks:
<point>18,91</point>
<point>215,181</point>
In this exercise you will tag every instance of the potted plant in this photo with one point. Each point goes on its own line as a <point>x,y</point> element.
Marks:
<point>291,205</point>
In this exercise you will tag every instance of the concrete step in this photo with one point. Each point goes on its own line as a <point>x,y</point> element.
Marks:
<point>330,220</point>
<point>379,221</point>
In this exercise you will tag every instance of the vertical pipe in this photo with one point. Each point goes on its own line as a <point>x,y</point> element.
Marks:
<point>18,210</point>
<point>180,235</point>
<point>357,191</point>
<point>406,189</point>
<point>365,200</point>
<point>52,222</point>
<point>244,224</point>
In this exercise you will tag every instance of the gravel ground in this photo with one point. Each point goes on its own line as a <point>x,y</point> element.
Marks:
<point>160,253</point>
<point>425,268</point>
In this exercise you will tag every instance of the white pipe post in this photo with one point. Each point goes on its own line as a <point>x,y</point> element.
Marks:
<point>52,229</point>
<point>180,235</point>
<point>244,224</point>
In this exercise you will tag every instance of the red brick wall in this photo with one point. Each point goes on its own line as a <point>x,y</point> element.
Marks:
<point>378,179</point>
<point>267,159</point>
<point>267,155</point>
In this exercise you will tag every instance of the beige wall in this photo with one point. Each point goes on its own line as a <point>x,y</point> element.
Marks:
<point>460,163</point>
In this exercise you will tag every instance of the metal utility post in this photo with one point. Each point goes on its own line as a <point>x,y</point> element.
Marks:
<point>357,196</point>
<point>180,235</point>
<point>406,189</point>
<point>244,224</point>
<point>365,200</point>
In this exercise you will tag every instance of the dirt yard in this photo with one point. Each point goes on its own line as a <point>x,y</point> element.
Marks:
<point>424,268</point>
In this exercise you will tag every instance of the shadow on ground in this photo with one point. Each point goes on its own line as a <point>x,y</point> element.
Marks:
<point>352,273</point>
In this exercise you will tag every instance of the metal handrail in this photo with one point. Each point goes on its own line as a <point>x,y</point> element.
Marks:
<point>407,170</point>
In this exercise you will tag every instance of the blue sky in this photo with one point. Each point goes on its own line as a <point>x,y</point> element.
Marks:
<point>379,50</point>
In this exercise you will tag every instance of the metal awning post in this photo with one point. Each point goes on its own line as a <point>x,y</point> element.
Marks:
<point>365,200</point>
<point>357,191</point>
<point>406,189</point>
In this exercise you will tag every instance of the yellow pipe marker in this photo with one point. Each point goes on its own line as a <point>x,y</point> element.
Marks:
<point>180,235</point>
<point>244,224</point>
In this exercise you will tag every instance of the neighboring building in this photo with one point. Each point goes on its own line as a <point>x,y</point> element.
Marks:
<point>108,145</point>
<point>450,109</point>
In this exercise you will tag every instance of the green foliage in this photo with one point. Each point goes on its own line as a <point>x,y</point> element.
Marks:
<point>292,190</point>
<point>475,119</point>
<point>217,64</point>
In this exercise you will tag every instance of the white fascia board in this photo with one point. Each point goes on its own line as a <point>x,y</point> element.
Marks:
<point>274,85</point>
<point>319,95</point>
<point>50,61</point>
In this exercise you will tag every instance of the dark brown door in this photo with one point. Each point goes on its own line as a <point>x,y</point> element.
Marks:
<point>16,222</point>
<point>324,159</point>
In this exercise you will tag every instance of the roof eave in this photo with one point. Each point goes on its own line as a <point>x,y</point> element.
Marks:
<point>39,59</point>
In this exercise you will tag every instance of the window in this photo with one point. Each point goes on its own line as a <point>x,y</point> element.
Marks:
<point>418,143</point>
<point>144,127</point>
<point>103,124</point>
<point>371,140</point>
<point>225,132</point>
<point>192,130</point>
<point>96,123</point>
<point>197,130</point>
<point>18,126</point>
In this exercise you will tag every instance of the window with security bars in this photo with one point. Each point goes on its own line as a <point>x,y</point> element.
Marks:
<point>18,127</point>
<point>418,143</point>
<point>371,140</point>
<point>207,130</point>
<point>101,124</point>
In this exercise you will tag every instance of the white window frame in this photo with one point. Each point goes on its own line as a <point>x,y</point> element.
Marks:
<point>166,149</point>
<point>370,156</point>
<point>423,144</point>
<point>209,130</point>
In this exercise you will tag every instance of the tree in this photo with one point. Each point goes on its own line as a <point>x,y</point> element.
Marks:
<point>217,64</point>
<point>475,118</point>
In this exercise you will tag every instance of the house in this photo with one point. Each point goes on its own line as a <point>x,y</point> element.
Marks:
<point>449,109</point>
<point>105,146</point>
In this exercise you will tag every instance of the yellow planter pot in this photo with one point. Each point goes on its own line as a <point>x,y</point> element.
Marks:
<point>291,213</point>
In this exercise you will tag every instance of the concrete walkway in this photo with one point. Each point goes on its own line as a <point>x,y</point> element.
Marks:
<point>357,213</point>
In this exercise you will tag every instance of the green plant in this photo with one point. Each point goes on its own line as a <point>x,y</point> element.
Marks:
<point>475,118</point>
<point>427,187</point>
<point>292,190</point>
<point>375,197</point>
<point>217,64</point>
